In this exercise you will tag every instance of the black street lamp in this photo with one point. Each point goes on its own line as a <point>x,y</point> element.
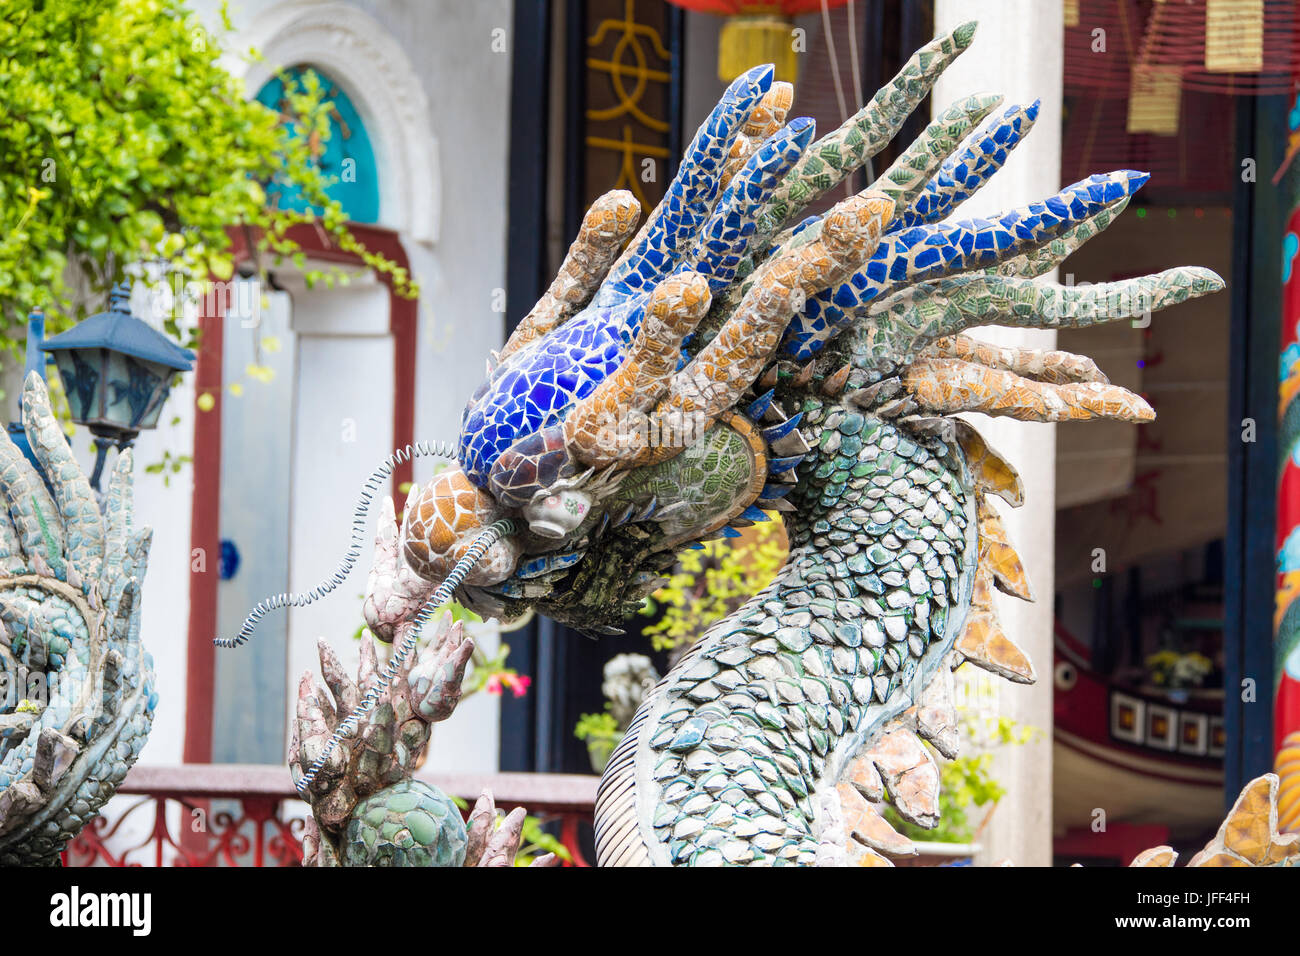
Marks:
<point>116,372</point>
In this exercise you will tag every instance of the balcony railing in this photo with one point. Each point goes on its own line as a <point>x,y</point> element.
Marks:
<point>250,815</point>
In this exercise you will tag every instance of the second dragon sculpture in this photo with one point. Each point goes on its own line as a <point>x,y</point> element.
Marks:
<point>731,359</point>
<point>78,695</point>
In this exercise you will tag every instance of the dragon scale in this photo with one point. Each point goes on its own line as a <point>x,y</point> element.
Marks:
<point>741,742</point>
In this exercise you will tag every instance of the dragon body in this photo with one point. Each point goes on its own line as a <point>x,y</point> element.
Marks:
<point>736,748</point>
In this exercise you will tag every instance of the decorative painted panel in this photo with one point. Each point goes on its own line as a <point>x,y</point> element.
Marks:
<point>628,133</point>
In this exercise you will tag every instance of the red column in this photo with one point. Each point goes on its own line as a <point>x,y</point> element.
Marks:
<point>205,540</point>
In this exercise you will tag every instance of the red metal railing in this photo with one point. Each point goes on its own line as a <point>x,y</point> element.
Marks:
<point>250,815</point>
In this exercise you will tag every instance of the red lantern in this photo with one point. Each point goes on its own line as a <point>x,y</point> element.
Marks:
<point>758,32</point>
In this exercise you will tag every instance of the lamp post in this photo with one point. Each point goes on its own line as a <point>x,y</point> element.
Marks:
<point>116,372</point>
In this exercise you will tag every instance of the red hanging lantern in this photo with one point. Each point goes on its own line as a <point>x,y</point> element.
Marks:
<point>758,31</point>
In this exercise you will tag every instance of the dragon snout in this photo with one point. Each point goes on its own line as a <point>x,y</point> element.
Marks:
<point>442,523</point>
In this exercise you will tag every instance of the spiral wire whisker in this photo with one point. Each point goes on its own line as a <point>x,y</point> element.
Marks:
<point>376,480</point>
<point>494,533</point>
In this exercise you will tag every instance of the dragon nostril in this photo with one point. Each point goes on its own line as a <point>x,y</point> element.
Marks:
<point>497,564</point>
<point>444,520</point>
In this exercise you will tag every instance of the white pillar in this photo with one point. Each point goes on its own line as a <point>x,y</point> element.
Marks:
<point>1018,52</point>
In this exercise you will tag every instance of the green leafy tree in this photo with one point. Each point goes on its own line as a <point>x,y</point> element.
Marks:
<point>707,585</point>
<point>601,733</point>
<point>123,140</point>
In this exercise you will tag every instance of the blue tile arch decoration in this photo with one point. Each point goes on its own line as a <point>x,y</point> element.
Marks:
<point>356,187</point>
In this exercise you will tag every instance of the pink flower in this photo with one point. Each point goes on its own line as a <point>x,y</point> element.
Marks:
<point>517,684</point>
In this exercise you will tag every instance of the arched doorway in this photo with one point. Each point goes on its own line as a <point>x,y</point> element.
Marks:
<point>308,394</point>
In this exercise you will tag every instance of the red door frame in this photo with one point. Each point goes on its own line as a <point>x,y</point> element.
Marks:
<point>205,531</point>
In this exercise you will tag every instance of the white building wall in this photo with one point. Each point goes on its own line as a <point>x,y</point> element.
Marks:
<point>162,502</point>
<point>445,193</point>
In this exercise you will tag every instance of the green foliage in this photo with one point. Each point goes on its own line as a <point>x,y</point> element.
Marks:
<point>537,841</point>
<point>602,734</point>
<point>707,585</point>
<point>704,587</point>
<point>169,466</point>
<point>1168,668</point>
<point>492,675</point>
<point>124,141</point>
<point>488,673</point>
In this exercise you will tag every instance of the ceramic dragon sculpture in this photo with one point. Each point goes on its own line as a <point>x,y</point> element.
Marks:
<point>78,695</point>
<point>367,808</point>
<point>729,360</point>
